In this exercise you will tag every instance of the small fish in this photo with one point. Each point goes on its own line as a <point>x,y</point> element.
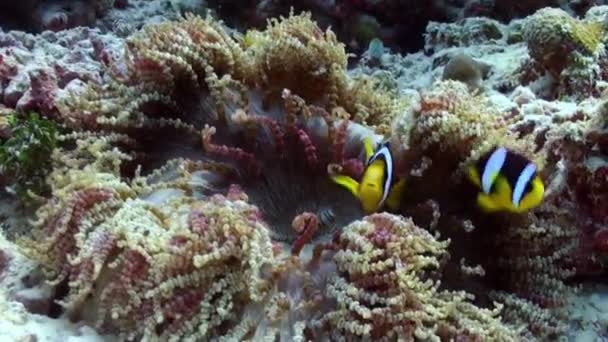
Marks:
<point>377,186</point>
<point>507,180</point>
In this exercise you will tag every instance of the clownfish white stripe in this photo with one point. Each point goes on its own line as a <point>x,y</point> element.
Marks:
<point>492,167</point>
<point>385,154</point>
<point>524,178</point>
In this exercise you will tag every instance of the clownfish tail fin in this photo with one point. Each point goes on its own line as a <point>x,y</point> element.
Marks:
<point>474,176</point>
<point>393,201</point>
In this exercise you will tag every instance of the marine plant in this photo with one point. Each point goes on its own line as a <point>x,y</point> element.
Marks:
<point>25,156</point>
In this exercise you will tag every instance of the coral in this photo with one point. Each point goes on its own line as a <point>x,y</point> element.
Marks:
<point>578,146</point>
<point>296,45</point>
<point>521,261</point>
<point>567,48</point>
<point>21,279</point>
<point>247,238</point>
<point>549,31</point>
<point>505,10</point>
<point>54,15</point>
<point>535,263</point>
<point>451,128</point>
<point>470,31</point>
<point>38,71</point>
<point>210,74</point>
<point>209,79</point>
<point>59,15</point>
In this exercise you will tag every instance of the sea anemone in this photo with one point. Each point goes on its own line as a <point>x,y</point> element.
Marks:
<point>282,165</point>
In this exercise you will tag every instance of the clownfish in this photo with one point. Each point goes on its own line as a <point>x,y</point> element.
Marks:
<point>507,180</point>
<point>377,186</point>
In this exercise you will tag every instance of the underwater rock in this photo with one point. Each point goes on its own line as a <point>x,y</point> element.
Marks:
<point>35,70</point>
<point>470,31</point>
<point>55,15</point>
<point>568,49</point>
<point>22,281</point>
<point>463,68</point>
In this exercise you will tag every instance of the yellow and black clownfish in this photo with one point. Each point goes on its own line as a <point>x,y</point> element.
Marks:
<point>377,186</point>
<point>507,180</point>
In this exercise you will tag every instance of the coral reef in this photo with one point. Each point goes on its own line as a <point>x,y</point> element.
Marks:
<point>54,15</point>
<point>531,257</point>
<point>38,71</point>
<point>155,262</point>
<point>229,227</point>
<point>567,48</point>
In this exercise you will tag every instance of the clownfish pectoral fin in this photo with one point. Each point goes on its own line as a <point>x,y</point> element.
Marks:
<point>369,148</point>
<point>347,182</point>
<point>474,176</point>
<point>502,194</point>
<point>486,203</point>
<point>394,196</point>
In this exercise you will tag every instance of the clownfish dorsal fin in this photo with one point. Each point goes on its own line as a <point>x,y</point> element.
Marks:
<point>369,148</point>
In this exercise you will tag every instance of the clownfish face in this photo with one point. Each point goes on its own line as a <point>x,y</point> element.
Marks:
<point>508,181</point>
<point>376,186</point>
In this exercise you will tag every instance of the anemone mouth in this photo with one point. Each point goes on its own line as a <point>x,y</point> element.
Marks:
<point>284,191</point>
<point>282,161</point>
